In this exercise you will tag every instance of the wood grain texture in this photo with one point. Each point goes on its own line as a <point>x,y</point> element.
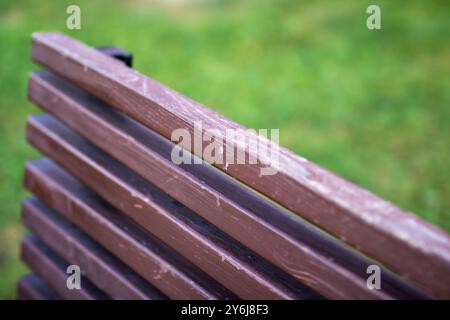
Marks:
<point>290,243</point>
<point>402,241</point>
<point>231,264</point>
<point>140,250</point>
<point>30,287</point>
<point>104,270</point>
<point>52,270</point>
<point>43,222</point>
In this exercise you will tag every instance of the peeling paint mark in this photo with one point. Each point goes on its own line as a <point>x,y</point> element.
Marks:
<point>319,187</point>
<point>217,200</point>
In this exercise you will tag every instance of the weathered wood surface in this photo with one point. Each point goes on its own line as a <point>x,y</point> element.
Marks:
<point>400,240</point>
<point>43,223</point>
<point>52,269</point>
<point>140,250</point>
<point>30,287</point>
<point>309,255</point>
<point>104,270</point>
<point>236,267</point>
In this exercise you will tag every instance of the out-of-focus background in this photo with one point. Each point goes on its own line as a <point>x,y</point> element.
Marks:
<point>372,106</point>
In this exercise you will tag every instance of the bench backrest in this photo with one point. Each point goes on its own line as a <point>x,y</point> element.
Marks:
<point>201,231</point>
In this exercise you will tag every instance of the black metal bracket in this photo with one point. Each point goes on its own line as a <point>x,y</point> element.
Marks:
<point>117,53</point>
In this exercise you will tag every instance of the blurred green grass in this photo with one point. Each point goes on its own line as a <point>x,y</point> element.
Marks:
<point>372,106</point>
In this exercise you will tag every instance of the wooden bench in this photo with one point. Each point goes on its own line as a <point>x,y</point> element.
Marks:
<point>109,199</point>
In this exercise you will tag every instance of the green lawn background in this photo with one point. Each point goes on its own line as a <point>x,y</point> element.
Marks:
<point>372,106</point>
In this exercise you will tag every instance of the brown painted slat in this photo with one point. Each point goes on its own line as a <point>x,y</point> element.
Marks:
<point>141,251</point>
<point>222,257</point>
<point>104,270</point>
<point>30,287</point>
<point>404,242</point>
<point>130,193</point>
<point>240,213</point>
<point>52,269</point>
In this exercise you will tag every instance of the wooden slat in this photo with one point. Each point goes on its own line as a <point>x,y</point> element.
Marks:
<point>52,269</point>
<point>130,193</point>
<point>141,251</point>
<point>104,270</point>
<point>202,244</point>
<point>30,287</point>
<point>403,241</point>
<point>240,213</point>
